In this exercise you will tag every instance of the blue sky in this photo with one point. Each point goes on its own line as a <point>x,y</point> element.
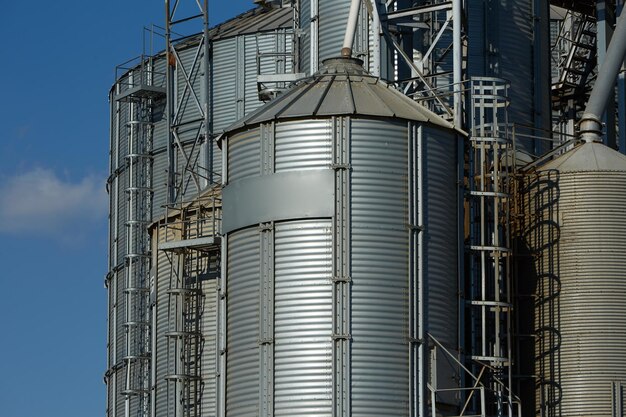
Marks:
<point>57,65</point>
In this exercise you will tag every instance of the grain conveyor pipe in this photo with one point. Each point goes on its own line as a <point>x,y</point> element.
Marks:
<point>591,121</point>
<point>353,18</point>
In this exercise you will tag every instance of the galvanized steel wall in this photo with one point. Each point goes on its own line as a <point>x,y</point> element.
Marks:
<point>575,228</point>
<point>283,342</point>
<point>302,145</point>
<point>332,17</point>
<point>504,40</point>
<point>243,319</point>
<point>303,318</point>
<point>380,267</point>
<point>441,209</point>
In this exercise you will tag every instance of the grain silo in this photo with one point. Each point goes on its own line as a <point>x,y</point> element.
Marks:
<point>573,207</point>
<point>258,42</point>
<point>337,266</point>
<point>573,226</point>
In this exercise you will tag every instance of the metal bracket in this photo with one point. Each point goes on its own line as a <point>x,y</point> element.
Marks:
<point>341,337</point>
<point>341,279</point>
<point>414,227</point>
<point>266,227</point>
<point>338,167</point>
<point>262,342</point>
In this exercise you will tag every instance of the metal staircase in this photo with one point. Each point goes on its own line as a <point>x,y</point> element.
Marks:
<point>574,51</point>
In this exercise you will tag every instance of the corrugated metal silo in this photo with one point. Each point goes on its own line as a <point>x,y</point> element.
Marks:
<point>575,226</point>
<point>338,213</point>
<point>232,94</point>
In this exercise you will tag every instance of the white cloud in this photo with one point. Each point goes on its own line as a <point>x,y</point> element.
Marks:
<point>40,203</point>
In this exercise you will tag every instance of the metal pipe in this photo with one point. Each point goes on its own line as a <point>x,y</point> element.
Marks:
<point>208,137</point>
<point>375,58</point>
<point>591,121</point>
<point>457,62</point>
<point>314,48</point>
<point>421,291</point>
<point>353,17</point>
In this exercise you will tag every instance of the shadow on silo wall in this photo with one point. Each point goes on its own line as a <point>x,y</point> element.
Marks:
<point>538,295</point>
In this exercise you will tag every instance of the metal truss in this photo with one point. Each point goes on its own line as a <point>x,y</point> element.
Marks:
<point>427,38</point>
<point>188,116</point>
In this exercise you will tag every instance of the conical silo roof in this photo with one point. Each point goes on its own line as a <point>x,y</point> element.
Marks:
<point>341,88</point>
<point>592,156</point>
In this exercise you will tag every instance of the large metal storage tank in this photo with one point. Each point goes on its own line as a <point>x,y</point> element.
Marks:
<point>574,211</point>
<point>340,207</point>
<point>236,44</point>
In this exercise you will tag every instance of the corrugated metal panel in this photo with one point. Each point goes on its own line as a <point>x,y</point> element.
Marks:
<point>477,34</point>
<point>501,45</point>
<point>262,43</point>
<point>242,380</point>
<point>256,20</point>
<point>380,362</point>
<point>440,233</point>
<point>121,315</point>
<point>303,319</point>
<point>244,158</point>
<point>209,345</point>
<point>305,37</point>
<point>224,83</point>
<point>163,271</point>
<point>333,15</point>
<point>516,58</point>
<point>159,182</point>
<point>120,381</point>
<point>216,156</point>
<point>332,21</point>
<point>575,228</point>
<point>303,144</point>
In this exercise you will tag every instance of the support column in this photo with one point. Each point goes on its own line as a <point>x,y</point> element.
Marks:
<point>341,279</point>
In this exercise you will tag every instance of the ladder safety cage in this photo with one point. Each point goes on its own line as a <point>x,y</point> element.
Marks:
<point>191,242</point>
<point>138,90</point>
<point>491,174</point>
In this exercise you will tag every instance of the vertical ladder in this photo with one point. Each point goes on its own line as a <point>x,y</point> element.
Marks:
<point>192,245</point>
<point>137,259</point>
<point>491,168</point>
<point>184,332</point>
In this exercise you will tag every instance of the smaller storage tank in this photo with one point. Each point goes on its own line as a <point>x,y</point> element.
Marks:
<point>575,222</point>
<point>340,209</point>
